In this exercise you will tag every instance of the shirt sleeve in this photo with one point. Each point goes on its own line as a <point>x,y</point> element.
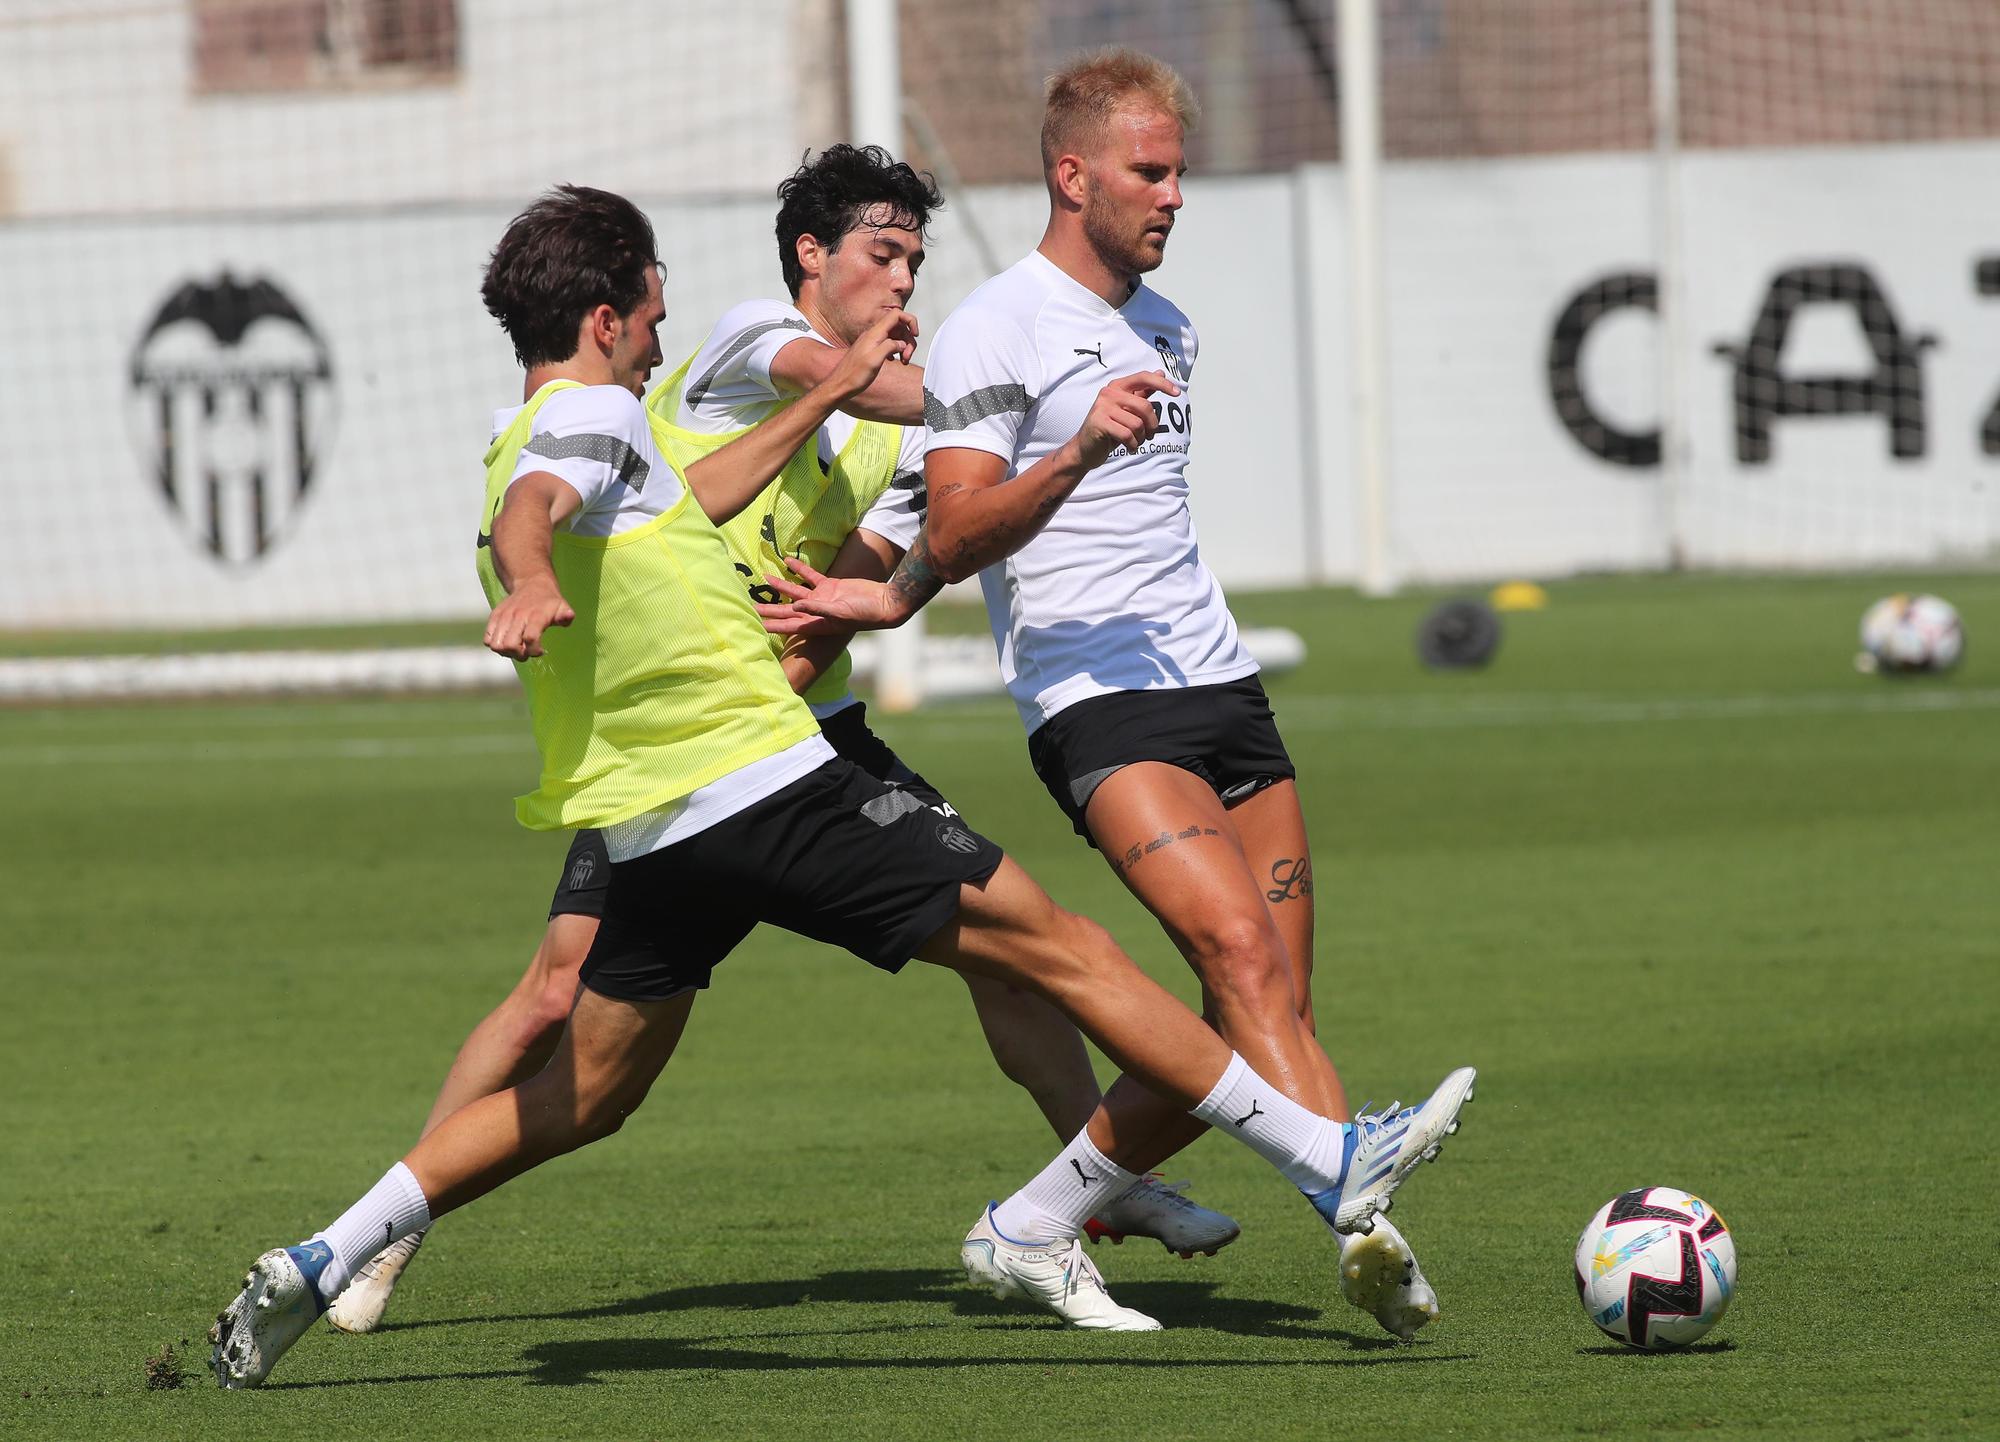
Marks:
<point>898,513</point>
<point>732,371</point>
<point>597,441</point>
<point>979,383</point>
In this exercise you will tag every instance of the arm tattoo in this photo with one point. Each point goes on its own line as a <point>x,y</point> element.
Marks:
<point>916,579</point>
<point>1293,878</point>
<point>1139,850</point>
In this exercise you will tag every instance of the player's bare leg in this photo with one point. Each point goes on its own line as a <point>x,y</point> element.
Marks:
<point>1271,828</point>
<point>1040,1050</point>
<point>1008,929</point>
<point>1378,1270</point>
<point>517,1038</point>
<point>513,1042</point>
<point>1179,851</point>
<point>605,1064</point>
<point>602,1069</point>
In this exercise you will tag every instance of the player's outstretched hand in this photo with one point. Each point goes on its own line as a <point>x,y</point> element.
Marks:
<point>821,605</point>
<point>1122,416</point>
<point>516,625</point>
<point>893,337</point>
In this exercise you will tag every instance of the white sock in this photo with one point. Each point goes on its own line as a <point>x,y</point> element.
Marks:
<point>394,1208</point>
<point>1303,1145</point>
<point>1065,1195</point>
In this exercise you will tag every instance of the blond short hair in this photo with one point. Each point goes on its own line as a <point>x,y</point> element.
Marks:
<point>1085,94</point>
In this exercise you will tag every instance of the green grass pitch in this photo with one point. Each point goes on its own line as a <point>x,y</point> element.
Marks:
<point>1707,908</point>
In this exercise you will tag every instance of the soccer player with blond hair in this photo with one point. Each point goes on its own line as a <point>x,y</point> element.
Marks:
<point>1060,400</point>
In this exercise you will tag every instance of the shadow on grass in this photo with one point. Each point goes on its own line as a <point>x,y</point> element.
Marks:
<point>1191,1304</point>
<point>1182,1304</point>
<point>1617,1350</point>
<point>589,1362</point>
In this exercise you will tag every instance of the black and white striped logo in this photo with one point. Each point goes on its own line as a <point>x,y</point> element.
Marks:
<point>232,409</point>
<point>957,838</point>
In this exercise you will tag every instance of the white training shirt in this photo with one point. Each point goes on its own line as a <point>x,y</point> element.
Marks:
<point>1112,594</point>
<point>729,387</point>
<point>597,441</point>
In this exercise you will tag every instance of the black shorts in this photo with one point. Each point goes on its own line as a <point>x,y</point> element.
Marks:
<point>837,856</point>
<point>1224,734</point>
<point>586,872</point>
<point>587,868</point>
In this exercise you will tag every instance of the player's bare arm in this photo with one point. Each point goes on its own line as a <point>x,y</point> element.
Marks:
<point>839,604</point>
<point>729,479</point>
<point>895,396</point>
<point>865,558</point>
<point>979,516</point>
<point>522,533</point>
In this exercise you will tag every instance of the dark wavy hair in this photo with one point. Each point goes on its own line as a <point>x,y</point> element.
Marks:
<point>834,192</point>
<point>571,251</point>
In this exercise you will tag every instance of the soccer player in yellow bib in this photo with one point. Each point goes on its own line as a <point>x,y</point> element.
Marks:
<point>663,718</point>
<point>850,239</point>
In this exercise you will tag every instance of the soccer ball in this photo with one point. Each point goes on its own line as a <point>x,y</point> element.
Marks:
<point>1904,634</point>
<point>1656,1268</point>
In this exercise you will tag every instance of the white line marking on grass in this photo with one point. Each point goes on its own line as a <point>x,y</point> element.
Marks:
<point>360,748</point>
<point>1322,712</point>
<point>1325,711</point>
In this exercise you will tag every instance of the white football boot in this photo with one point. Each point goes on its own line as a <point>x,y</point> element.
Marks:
<point>1382,1148</point>
<point>360,1305</point>
<point>1379,1274</point>
<point>1158,1209</point>
<point>1057,1275</point>
<point>279,1301</point>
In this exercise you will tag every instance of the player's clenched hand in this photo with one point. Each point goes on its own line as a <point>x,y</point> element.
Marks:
<point>1122,416</point>
<point>893,337</point>
<point>821,605</point>
<point>516,625</point>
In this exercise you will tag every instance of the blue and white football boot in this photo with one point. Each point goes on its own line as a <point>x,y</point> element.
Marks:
<point>280,1300</point>
<point>1382,1148</point>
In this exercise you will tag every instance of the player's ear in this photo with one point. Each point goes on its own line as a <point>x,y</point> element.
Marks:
<point>1072,178</point>
<point>601,326</point>
<point>811,255</point>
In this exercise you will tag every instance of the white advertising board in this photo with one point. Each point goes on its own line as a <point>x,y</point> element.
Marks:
<point>244,421</point>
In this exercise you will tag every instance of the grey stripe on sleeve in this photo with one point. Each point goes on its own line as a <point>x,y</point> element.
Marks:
<point>611,451</point>
<point>1009,399</point>
<point>697,392</point>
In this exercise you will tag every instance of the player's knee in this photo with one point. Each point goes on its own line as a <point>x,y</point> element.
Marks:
<point>1086,951</point>
<point>1242,964</point>
<point>550,1009</point>
<point>601,1111</point>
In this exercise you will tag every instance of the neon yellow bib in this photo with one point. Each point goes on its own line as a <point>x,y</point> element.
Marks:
<point>665,680</point>
<point>805,512</point>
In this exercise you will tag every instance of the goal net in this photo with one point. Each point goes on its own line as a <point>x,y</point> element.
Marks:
<point>1689,283</point>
